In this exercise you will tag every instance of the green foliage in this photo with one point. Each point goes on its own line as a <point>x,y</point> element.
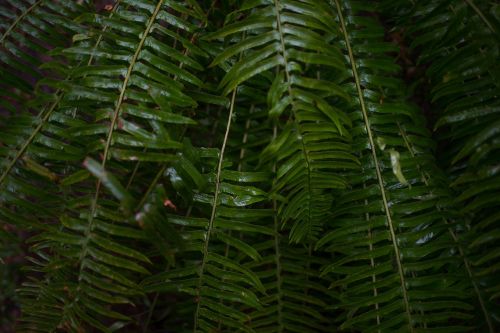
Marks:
<point>249,166</point>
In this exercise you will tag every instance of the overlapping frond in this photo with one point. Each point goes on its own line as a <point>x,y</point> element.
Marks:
<point>288,47</point>
<point>33,154</point>
<point>36,144</point>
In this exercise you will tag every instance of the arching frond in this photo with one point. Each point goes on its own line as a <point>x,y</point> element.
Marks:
<point>389,240</point>
<point>313,135</point>
<point>150,92</point>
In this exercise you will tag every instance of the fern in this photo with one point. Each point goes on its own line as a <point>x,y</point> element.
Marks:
<point>250,166</point>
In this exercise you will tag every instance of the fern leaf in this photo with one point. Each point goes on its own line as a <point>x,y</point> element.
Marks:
<point>270,43</point>
<point>387,208</point>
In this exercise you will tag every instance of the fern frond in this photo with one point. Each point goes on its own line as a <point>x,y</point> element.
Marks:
<point>380,217</point>
<point>315,137</point>
<point>218,279</point>
<point>463,83</point>
<point>148,101</point>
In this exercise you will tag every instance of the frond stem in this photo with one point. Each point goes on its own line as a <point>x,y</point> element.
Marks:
<point>121,98</point>
<point>118,106</point>
<point>19,19</point>
<point>181,65</point>
<point>151,186</point>
<point>372,261</point>
<point>481,15</point>
<point>150,313</point>
<point>377,166</point>
<point>214,208</point>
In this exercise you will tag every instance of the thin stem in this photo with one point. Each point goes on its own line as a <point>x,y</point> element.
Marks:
<point>372,261</point>
<point>152,185</point>
<point>245,139</point>
<point>242,155</point>
<point>121,97</point>
<point>30,139</point>
<point>120,100</point>
<point>181,65</point>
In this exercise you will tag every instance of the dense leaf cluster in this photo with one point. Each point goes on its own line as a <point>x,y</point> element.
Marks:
<point>251,166</point>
